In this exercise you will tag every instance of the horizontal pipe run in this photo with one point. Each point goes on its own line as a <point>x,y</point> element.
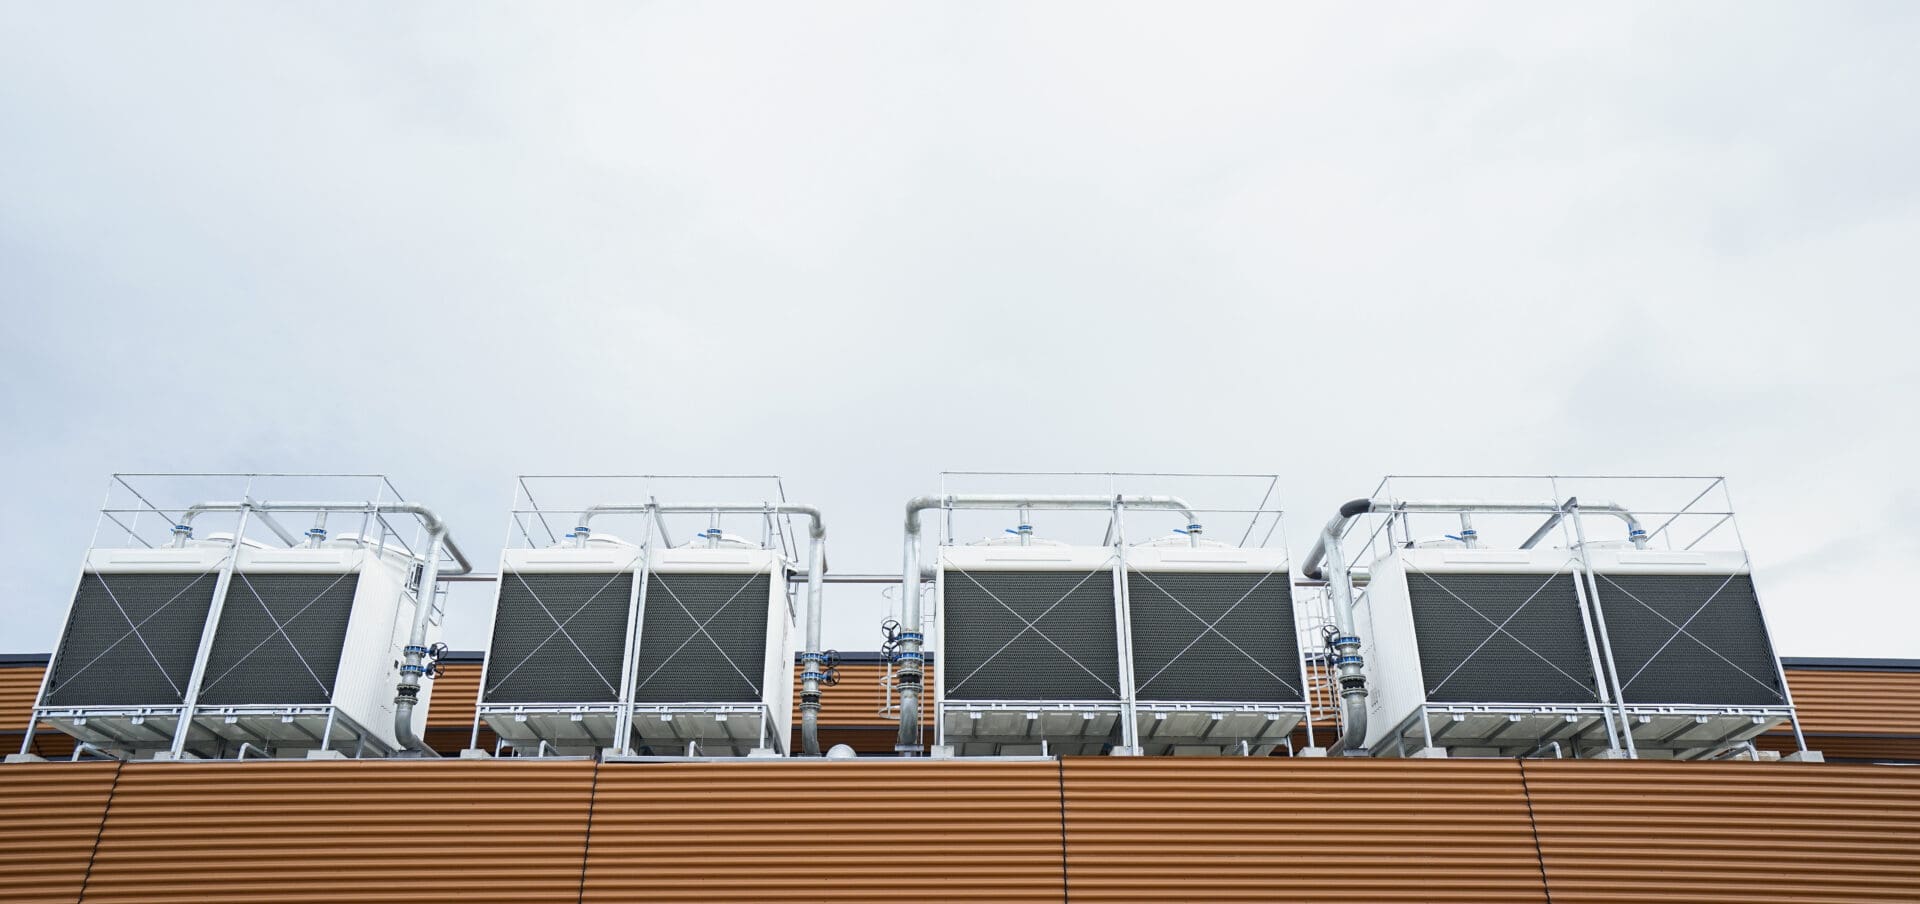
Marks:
<point>1310,567</point>
<point>426,515</point>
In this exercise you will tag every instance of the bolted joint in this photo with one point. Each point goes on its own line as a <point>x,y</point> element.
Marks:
<point>906,679</point>
<point>407,693</point>
<point>810,700</point>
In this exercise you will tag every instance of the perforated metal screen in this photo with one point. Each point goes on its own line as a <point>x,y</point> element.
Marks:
<point>1030,635</point>
<point>558,638</point>
<point>1689,639</point>
<point>1501,638</point>
<point>703,638</point>
<point>1214,637</point>
<point>279,639</point>
<point>131,640</point>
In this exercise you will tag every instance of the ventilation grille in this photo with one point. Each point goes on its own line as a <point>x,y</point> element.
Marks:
<point>703,638</point>
<point>1501,638</point>
<point>558,638</point>
<point>1689,639</point>
<point>1030,635</point>
<point>279,639</point>
<point>1214,637</point>
<point>131,640</point>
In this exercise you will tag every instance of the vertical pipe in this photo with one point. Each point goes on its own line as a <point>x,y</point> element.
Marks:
<point>1468,535</point>
<point>814,658</point>
<point>1349,665</point>
<point>1600,623</point>
<point>220,588</point>
<point>414,668</point>
<point>909,674</point>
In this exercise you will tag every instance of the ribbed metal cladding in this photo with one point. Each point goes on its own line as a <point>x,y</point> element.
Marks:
<point>49,818</point>
<point>792,831</point>
<point>558,638</point>
<point>279,639</point>
<point>373,831</point>
<point>1214,637</point>
<point>19,685</point>
<point>104,661</point>
<point>1722,657</point>
<point>1030,635</point>
<point>454,696</point>
<point>1855,715</point>
<point>703,638</point>
<point>1501,638</point>
<point>1681,832</point>
<point>1192,829</point>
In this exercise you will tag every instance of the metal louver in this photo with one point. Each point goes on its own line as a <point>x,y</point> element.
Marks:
<point>130,640</point>
<point>279,639</point>
<point>1690,639</point>
<point>1501,638</point>
<point>1030,635</point>
<point>558,637</point>
<point>703,638</point>
<point>1216,637</point>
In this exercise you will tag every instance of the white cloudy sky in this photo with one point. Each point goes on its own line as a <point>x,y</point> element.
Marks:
<point>857,244</point>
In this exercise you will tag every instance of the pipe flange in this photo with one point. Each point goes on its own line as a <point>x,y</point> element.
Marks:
<point>907,679</point>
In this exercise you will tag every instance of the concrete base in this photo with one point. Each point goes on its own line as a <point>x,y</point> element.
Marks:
<point>1611,755</point>
<point>763,753</point>
<point>1121,750</point>
<point>475,753</point>
<point>941,751</point>
<point>25,758</point>
<point>1311,751</point>
<point>166,756</point>
<point>1801,756</point>
<point>1428,753</point>
<point>326,755</point>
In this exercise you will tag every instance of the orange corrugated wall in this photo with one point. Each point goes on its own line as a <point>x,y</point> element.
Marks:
<point>849,831</point>
<point>345,831</point>
<point>1709,832</point>
<point>50,814</point>
<point>1281,829</point>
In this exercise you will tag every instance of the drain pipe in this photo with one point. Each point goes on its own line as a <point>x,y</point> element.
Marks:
<point>414,666</point>
<point>909,657</point>
<point>814,659</point>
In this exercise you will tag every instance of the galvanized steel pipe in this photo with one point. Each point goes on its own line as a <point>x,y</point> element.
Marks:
<point>1311,566</point>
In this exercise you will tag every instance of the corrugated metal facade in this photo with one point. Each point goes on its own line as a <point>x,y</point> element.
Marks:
<point>19,685</point>
<point>1084,829</point>
<point>1678,832</point>
<point>1857,714</point>
<point>343,831</point>
<point>838,831</point>
<point>49,817</point>
<point>1197,829</point>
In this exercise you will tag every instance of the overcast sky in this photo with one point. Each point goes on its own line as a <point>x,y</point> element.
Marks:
<point>857,244</point>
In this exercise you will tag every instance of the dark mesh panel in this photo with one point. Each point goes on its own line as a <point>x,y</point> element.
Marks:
<point>531,660</point>
<point>1644,612</point>
<point>703,639</point>
<point>254,662</point>
<point>1251,654</point>
<point>102,662</point>
<point>988,610</point>
<point>1503,670</point>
